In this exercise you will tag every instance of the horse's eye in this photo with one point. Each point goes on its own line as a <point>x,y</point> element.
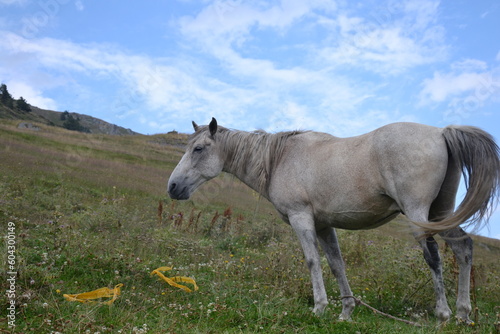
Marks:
<point>198,148</point>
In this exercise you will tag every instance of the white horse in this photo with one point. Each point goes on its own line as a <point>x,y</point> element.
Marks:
<point>318,182</point>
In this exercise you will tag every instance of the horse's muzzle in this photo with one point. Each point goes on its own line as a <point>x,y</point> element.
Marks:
<point>176,191</point>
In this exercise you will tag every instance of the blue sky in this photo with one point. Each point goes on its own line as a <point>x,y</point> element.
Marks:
<point>341,67</point>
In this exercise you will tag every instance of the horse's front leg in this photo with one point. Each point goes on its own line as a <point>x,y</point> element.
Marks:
<point>330,244</point>
<point>303,225</point>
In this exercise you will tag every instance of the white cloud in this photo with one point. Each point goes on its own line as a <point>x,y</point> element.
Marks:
<point>469,65</point>
<point>389,40</point>
<point>32,95</point>
<point>232,20</point>
<point>421,13</point>
<point>469,79</point>
<point>443,85</point>
<point>383,51</point>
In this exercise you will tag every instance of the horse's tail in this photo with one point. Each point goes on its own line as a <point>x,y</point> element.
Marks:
<point>478,157</point>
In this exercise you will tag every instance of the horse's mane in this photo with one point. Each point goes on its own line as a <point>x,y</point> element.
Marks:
<point>256,153</point>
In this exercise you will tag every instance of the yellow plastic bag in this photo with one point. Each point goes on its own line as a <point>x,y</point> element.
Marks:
<point>173,280</point>
<point>87,297</point>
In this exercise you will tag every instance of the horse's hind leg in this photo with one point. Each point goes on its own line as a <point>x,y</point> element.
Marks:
<point>330,245</point>
<point>459,242</point>
<point>431,255</point>
<point>461,245</point>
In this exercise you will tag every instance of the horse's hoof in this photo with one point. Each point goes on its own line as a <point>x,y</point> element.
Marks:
<point>465,321</point>
<point>319,309</point>
<point>443,314</point>
<point>344,317</point>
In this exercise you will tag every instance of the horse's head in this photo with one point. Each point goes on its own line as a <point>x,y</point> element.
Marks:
<point>200,163</point>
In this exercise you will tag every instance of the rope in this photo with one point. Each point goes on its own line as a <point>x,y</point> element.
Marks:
<point>360,302</point>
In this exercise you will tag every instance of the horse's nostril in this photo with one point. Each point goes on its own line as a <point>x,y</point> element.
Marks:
<point>172,187</point>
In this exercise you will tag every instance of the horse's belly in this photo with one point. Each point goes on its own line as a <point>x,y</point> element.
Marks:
<point>357,219</point>
<point>354,221</point>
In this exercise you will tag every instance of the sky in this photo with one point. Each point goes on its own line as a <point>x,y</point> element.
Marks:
<point>342,67</point>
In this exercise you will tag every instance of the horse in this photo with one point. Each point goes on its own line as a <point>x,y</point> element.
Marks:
<point>318,182</point>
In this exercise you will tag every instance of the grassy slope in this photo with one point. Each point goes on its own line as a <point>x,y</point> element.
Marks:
<point>15,114</point>
<point>86,211</point>
<point>50,117</point>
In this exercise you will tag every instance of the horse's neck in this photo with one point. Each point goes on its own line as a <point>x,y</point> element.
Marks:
<point>243,159</point>
<point>250,180</point>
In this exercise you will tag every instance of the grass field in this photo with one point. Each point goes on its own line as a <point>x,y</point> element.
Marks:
<point>90,211</point>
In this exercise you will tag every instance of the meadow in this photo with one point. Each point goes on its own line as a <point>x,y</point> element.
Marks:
<point>91,211</point>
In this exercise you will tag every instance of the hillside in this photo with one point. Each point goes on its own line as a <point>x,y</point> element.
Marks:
<point>94,125</point>
<point>90,211</point>
<point>10,109</point>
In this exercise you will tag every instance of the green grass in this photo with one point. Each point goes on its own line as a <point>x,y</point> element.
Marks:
<point>86,212</point>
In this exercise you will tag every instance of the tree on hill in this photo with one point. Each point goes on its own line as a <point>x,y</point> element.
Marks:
<point>64,115</point>
<point>72,123</point>
<point>5,97</point>
<point>23,105</point>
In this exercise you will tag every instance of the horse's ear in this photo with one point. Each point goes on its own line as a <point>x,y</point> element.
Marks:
<point>213,127</point>
<point>195,126</point>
